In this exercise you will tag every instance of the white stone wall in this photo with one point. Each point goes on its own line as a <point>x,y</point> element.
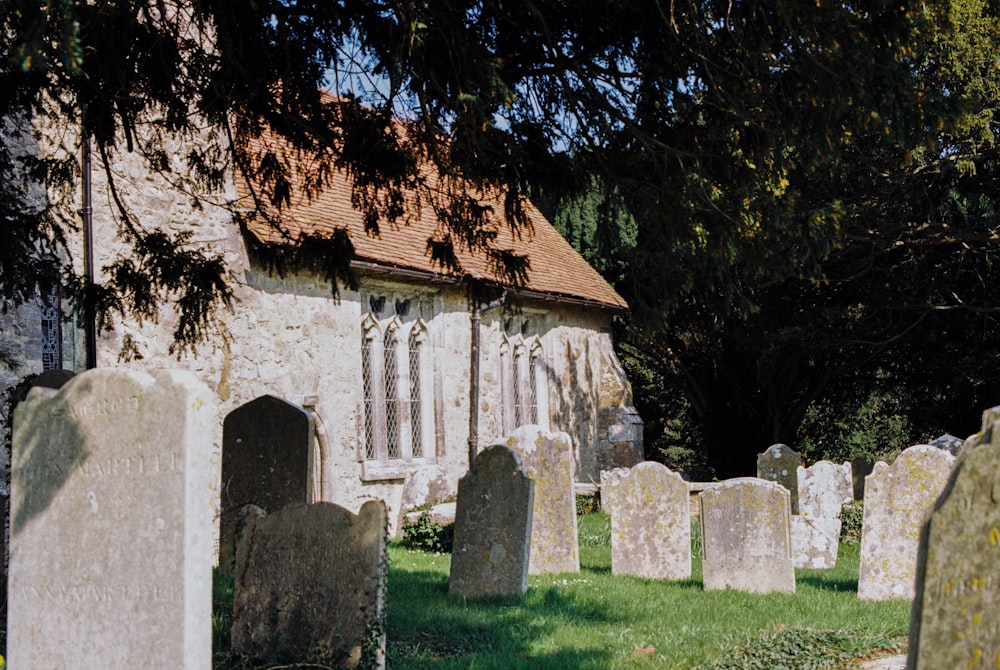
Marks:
<point>290,338</point>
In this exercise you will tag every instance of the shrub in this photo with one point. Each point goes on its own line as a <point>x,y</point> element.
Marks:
<point>427,535</point>
<point>851,516</point>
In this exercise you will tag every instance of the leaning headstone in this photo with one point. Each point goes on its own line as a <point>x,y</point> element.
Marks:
<point>548,459</point>
<point>824,487</point>
<point>651,525</point>
<point>609,486</point>
<point>489,555</point>
<point>265,461</point>
<point>746,536</point>
<point>779,463</point>
<point>815,541</point>
<point>897,498</point>
<point>111,524</point>
<point>860,469</point>
<point>955,621</point>
<point>313,577</point>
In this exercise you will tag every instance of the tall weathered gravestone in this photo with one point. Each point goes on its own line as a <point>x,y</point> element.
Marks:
<point>746,537</point>
<point>111,524</point>
<point>265,462</point>
<point>548,459</point>
<point>779,463</point>
<point>313,576</point>
<point>489,555</point>
<point>651,524</point>
<point>823,489</point>
<point>956,609</point>
<point>896,500</point>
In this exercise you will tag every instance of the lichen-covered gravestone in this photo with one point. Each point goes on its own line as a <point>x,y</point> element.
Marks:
<point>824,487</point>
<point>489,554</point>
<point>956,609</point>
<point>779,463</point>
<point>897,498</point>
<point>609,487</point>
<point>815,541</point>
<point>111,526</point>
<point>313,576</point>
<point>651,525</point>
<point>265,462</point>
<point>548,459</point>
<point>746,537</point>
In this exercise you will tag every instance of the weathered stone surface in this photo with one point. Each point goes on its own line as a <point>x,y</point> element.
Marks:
<point>651,526</point>
<point>313,575</point>
<point>956,610</point>
<point>265,461</point>
<point>949,443</point>
<point>428,485</point>
<point>490,552</point>
<point>860,468</point>
<point>548,459</point>
<point>610,479</point>
<point>779,463</point>
<point>111,527</point>
<point>824,487</point>
<point>746,536</point>
<point>815,541</point>
<point>896,500</point>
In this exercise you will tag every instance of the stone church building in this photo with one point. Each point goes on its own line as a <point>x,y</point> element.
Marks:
<point>385,372</point>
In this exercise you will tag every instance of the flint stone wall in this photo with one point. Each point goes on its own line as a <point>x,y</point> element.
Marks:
<point>897,499</point>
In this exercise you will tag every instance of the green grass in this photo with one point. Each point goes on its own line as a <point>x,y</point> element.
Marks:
<point>598,620</point>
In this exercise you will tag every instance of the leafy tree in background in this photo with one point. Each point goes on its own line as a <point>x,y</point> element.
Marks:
<point>896,334</point>
<point>773,159</point>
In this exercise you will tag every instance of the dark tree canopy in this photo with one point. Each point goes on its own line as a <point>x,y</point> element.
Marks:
<point>790,172</point>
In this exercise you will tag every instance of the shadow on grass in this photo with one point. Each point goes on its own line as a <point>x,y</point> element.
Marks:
<point>828,582</point>
<point>428,628</point>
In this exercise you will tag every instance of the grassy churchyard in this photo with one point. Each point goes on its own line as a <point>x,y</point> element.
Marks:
<point>598,620</point>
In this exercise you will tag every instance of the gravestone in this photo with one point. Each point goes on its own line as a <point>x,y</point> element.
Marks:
<point>779,463</point>
<point>609,486</point>
<point>651,524</point>
<point>491,545</point>
<point>824,487</point>
<point>548,459</point>
<point>815,541</point>
<point>955,621</point>
<point>265,462</point>
<point>313,577</point>
<point>896,500</point>
<point>746,536</point>
<point>860,468</point>
<point>949,443</point>
<point>111,524</point>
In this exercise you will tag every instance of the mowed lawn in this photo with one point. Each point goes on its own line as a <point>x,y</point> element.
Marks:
<point>597,620</point>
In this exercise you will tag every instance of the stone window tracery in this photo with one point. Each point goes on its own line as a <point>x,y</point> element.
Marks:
<point>397,386</point>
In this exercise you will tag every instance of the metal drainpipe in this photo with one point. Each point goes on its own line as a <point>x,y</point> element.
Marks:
<point>87,213</point>
<point>474,376</point>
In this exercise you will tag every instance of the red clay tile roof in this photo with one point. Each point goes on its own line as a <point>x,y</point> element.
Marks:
<point>556,270</point>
